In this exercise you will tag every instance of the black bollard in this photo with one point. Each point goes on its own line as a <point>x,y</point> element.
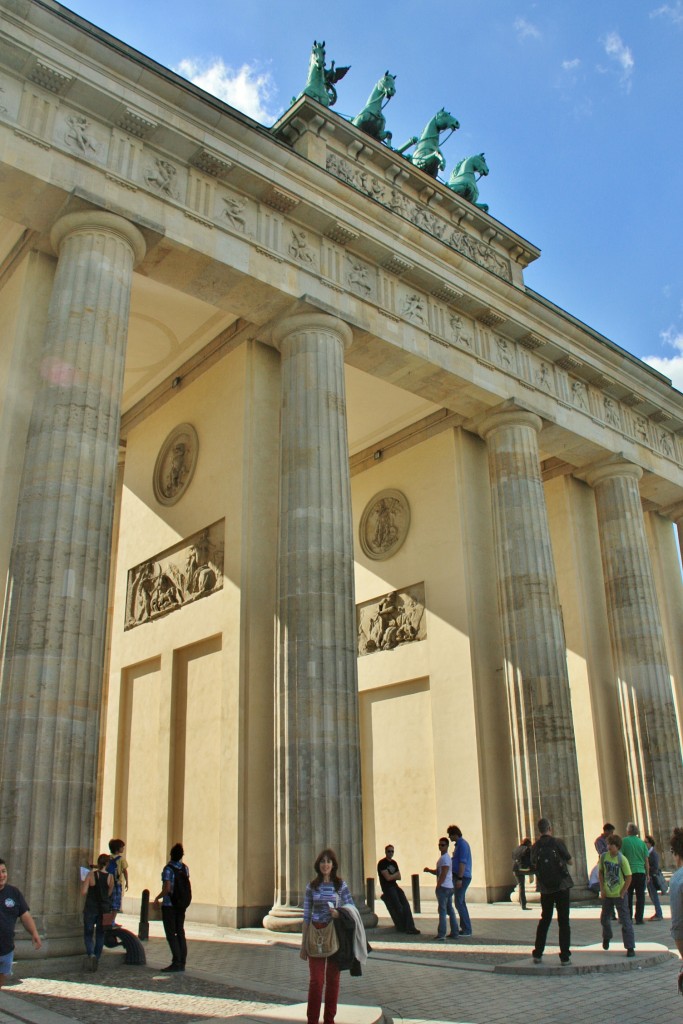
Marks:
<point>415,882</point>
<point>143,927</point>
<point>370,893</point>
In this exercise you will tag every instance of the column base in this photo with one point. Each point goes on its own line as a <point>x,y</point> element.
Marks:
<point>291,919</point>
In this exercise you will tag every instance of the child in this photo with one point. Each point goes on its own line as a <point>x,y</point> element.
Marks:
<point>615,878</point>
<point>118,867</point>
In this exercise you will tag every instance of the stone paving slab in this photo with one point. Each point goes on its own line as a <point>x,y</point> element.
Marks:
<point>414,980</point>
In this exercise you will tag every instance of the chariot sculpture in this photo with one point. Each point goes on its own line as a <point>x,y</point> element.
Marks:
<point>371,120</point>
<point>427,156</point>
<point>463,180</point>
<point>321,81</point>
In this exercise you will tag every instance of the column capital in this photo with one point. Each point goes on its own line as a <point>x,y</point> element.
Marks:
<point>609,471</point>
<point>508,418</point>
<point>313,321</point>
<point>89,221</point>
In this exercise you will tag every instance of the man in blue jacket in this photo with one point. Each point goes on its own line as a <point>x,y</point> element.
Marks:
<point>462,876</point>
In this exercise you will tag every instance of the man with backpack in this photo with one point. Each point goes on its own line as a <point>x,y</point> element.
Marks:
<point>549,860</point>
<point>176,891</point>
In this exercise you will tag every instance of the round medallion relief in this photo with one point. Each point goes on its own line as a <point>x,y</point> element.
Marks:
<point>175,464</point>
<point>384,524</point>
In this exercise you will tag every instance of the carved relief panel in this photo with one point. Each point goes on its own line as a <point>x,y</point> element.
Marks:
<point>384,524</point>
<point>390,621</point>
<point>178,576</point>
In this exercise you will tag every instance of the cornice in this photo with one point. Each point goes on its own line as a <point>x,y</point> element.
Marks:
<point>167,147</point>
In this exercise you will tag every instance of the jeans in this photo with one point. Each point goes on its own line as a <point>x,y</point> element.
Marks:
<point>637,887</point>
<point>521,877</point>
<point>549,901</point>
<point>463,913</point>
<point>654,896</point>
<point>174,927</point>
<point>92,922</point>
<point>322,972</point>
<point>444,897</point>
<point>620,904</point>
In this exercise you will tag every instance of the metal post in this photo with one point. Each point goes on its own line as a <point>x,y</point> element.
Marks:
<point>370,892</point>
<point>415,882</point>
<point>143,927</point>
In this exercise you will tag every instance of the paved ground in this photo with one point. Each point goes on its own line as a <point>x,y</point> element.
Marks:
<point>236,974</point>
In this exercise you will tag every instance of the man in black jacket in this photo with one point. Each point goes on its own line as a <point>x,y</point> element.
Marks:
<point>549,860</point>
<point>393,895</point>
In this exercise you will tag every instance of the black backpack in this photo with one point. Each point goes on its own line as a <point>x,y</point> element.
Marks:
<point>181,895</point>
<point>550,867</point>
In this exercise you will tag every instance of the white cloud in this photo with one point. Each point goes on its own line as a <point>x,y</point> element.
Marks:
<point>525,30</point>
<point>247,88</point>
<point>571,65</point>
<point>673,11</point>
<point>672,367</point>
<point>618,51</point>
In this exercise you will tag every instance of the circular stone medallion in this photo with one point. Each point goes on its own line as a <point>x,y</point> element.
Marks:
<point>175,464</point>
<point>384,524</point>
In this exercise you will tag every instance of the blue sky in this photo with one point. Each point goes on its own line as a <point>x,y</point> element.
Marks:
<point>577,106</point>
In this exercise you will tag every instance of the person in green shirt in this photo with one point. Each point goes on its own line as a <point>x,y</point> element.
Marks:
<point>615,879</point>
<point>635,851</point>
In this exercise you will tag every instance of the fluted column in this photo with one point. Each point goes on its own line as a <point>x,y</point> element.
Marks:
<point>318,789</point>
<point>649,726</point>
<point>56,610</point>
<point>544,751</point>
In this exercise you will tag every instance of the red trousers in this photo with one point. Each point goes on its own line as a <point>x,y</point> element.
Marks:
<point>322,972</point>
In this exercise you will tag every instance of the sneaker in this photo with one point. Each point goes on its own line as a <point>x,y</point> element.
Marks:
<point>413,931</point>
<point>605,943</point>
<point>465,932</point>
<point>656,917</point>
<point>565,961</point>
<point>630,952</point>
<point>439,938</point>
<point>171,969</point>
<point>536,957</point>
<point>457,936</point>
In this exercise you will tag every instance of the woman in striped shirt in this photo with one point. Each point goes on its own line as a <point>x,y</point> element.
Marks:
<point>323,895</point>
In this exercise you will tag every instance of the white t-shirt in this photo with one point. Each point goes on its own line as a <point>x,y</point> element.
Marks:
<point>445,861</point>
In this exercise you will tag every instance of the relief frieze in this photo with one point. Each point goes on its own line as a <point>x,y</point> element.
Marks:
<point>178,576</point>
<point>390,621</point>
<point>419,215</point>
<point>79,135</point>
<point>161,176</point>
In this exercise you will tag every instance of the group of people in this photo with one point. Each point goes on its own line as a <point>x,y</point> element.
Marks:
<point>453,876</point>
<point>103,887</point>
<point>626,867</point>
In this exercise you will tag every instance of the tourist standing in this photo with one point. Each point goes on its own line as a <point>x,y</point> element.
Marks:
<point>521,868</point>
<point>615,879</point>
<point>13,907</point>
<point>323,896</point>
<point>636,852</point>
<point>444,892</point>
<point>97,887</point>
<point>676,895</point>
<point>176,892</point>
<point>601,841</point>
<point>655,880</point>
<point>462,876</point>
<point>549,862</point>
<point>118,869</point>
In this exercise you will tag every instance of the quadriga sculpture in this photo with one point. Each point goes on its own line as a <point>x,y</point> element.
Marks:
<point>427,156</point>
<point>464,182</point>
<point>371,120</point>
<point>321,80</point>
